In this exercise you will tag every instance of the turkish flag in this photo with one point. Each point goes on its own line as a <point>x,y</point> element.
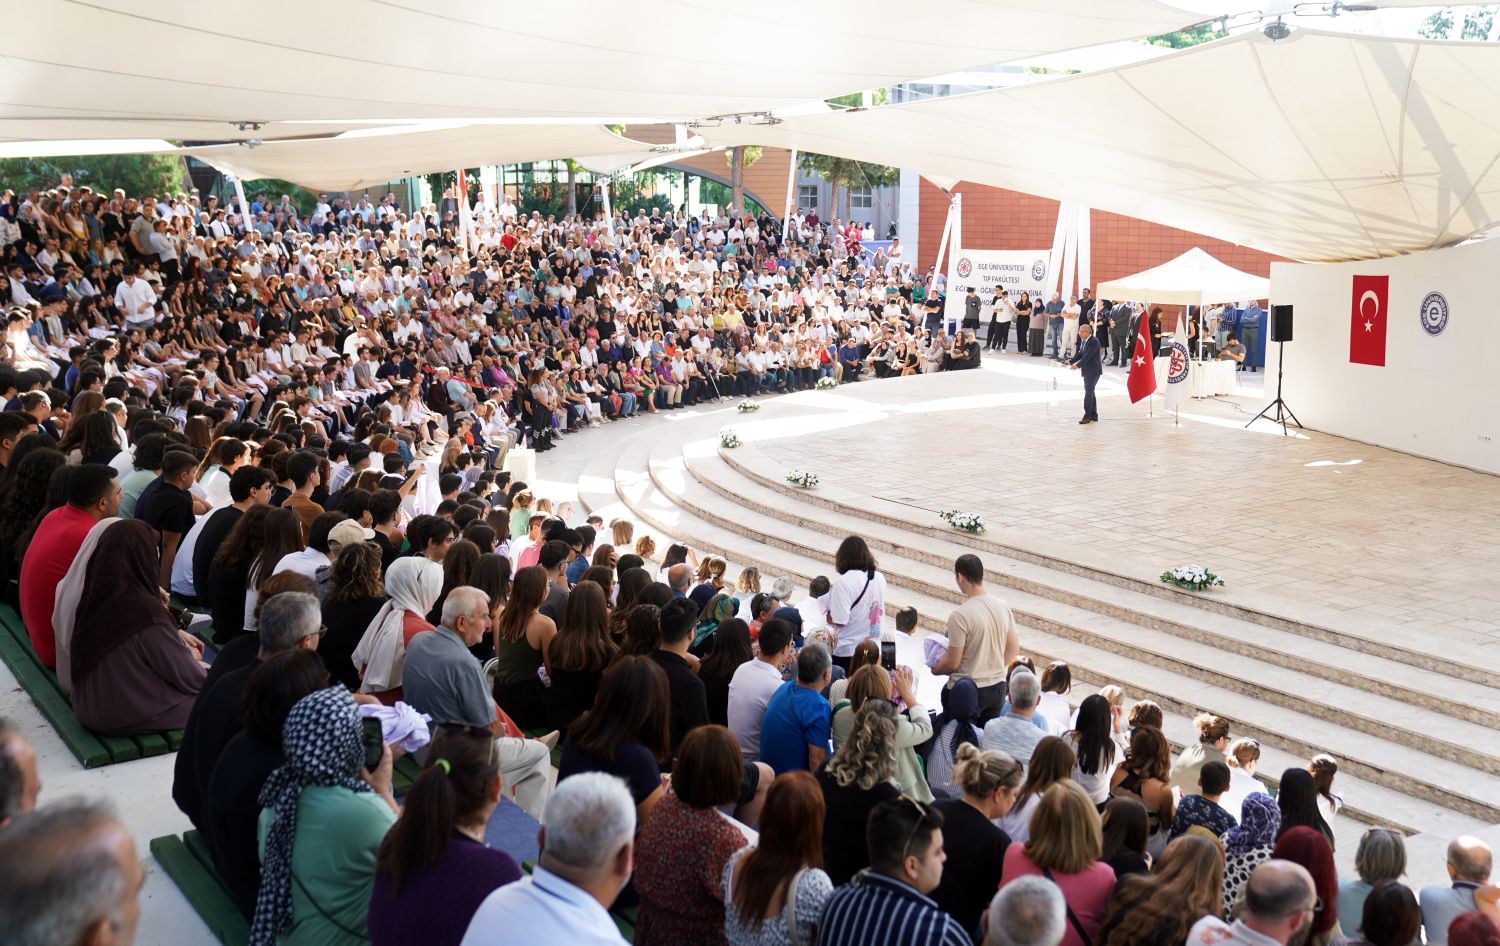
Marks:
<point>1142,380</point>
<point>1367,318</point>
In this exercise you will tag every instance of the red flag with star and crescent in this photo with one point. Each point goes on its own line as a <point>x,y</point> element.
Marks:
<point>1367,309</point>
<point>1142,380</point>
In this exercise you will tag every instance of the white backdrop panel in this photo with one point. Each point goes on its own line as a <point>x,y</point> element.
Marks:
<point>1435,395</point>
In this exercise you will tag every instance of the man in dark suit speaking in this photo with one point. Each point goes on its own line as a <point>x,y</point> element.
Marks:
<point>1087,361</point>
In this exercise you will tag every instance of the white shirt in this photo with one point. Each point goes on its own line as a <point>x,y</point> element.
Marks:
<point>750,689</point>
<point>182,565</point>
<point>1054,708</point>
<point>306,562</point>
<point>1241,785</point>
<point>550,911</point>
<point>136,301</point>
<point>856,611</point>
<point>216,488</point>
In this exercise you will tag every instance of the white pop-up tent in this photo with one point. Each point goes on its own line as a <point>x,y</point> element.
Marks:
<point>1194,278</point>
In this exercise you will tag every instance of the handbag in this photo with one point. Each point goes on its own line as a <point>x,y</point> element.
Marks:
<point>789,911</point>
<point>1072,917</point>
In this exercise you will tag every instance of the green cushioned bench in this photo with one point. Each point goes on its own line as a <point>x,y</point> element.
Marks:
<point>187,862</point>
<point>91,749</point>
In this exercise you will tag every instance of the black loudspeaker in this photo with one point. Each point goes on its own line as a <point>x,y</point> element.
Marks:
<point>1281,323</point>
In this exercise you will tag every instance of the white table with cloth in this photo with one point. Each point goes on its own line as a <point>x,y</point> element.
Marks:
<point>1205,378</point>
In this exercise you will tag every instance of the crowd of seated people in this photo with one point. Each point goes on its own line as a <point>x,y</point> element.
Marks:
<point>297,430</point>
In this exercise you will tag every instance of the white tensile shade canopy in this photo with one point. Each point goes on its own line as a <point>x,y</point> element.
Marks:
<point>359,158</point>
<point>1194,278</point>
<point>71,62</point>
<point>1318,147</point>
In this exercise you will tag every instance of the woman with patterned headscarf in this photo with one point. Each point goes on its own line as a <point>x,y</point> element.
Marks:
<point>324,819</point>
<point>720,608</point>
<point>1248,845</point>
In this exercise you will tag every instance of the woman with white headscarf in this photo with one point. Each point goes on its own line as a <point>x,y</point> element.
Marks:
<point>69,593</point>
<point>413,583</point>
<point>324,817</point>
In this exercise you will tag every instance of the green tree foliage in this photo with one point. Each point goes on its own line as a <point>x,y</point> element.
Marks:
<point>136,174</point>
<point>302,198</point>
<point>844,173</point>
<point>1182,39</point>
<point>881,96</point>
<point>1438,25</point>
<point>443,180</point>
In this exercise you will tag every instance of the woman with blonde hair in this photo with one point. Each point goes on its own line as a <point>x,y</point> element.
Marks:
<point>1159,909</point>
<point>975,847</point>
<point>623,532</point>
<point>860,775</point>
<point>746,587</point>
<point>1066,843</point>
<point>710,579</point>
<point>1213,737</point>
<point>520,514</point>
<point>913,726</point>
<point>1242,757</point>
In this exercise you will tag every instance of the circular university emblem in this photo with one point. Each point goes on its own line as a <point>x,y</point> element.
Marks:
<point>1177,368</point>
<point>1434,313</point>
<point>964,267</point>
<point>1039,270</point>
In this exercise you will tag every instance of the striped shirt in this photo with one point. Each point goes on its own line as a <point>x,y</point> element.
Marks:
<point>875,908</point>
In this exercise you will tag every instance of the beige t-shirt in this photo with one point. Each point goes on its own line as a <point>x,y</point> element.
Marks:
<point>982,626</point>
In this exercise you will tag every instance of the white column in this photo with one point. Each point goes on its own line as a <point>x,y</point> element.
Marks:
<point>1085,250</point>
<point>1055,257</point>
<point>1070,253</point>
<point>909,221</point>
<point>791,197</point>
<point>609,213</point>
<point>239,192</point>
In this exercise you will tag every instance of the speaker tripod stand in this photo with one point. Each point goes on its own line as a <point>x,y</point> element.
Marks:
<point>1277,412</point>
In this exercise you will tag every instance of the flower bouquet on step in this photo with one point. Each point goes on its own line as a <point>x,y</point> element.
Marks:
<point>826,384</point>
<point>1192,577</point>
<point>802,478</point>
<point>963,521</point>
<point>728,439</point>
<point>747,407</point>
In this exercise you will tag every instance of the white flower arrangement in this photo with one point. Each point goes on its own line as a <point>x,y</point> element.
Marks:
<point>802,478</point>
<point>826,384</point>
<point>747,407</point>
<point>1192,577</point>
<point>728,439</point>
<point>963,521</point>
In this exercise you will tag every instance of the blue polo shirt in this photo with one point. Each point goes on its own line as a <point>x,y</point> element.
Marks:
<point>795,718</point>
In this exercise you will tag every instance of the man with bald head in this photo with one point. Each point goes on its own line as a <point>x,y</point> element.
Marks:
<point>19,782</point>
<point>1469,866</point>
<point>679,579</point>
<point>69,876</point>
<point>1280,901</point>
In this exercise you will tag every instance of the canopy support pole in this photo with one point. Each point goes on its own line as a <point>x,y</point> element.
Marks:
<point>791,198</point>
<point>609,213</point>
<point>952,233</point>
<point>239,193</point>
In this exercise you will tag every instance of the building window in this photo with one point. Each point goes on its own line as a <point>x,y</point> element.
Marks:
<point>861,198</point>
<point>807,196</point>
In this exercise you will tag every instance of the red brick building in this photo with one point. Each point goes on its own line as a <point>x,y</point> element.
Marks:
<point>997,219</point>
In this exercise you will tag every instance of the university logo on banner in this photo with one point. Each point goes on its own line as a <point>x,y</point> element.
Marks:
<point>1177,367</point>
<point>1435,347</point>
<point>1369,307</point>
